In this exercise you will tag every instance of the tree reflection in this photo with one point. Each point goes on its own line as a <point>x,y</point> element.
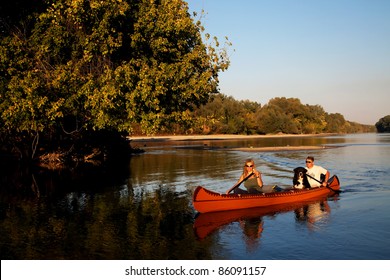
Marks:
<point>117,212</point>
<point>88,215</point>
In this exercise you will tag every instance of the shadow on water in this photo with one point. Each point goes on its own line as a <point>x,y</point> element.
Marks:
<point>91,213</point>
<point>34,182</point>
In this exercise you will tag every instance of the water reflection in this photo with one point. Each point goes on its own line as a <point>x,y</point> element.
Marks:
<point>139,209</point>
<point>252,220</point>
<point>142,209</point>
<point>312,214</point>
<point>252,229</point>
<point>26,181</point>
<point>111,224</point>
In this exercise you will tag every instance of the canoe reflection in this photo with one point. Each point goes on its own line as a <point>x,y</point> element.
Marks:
<point>251,220</point>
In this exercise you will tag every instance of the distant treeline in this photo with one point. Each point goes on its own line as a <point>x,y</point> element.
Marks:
<point>226,115</point>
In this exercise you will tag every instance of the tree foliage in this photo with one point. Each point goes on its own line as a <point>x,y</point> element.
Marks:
<point>76,75</point>
<point>383,125</point>
<point>224,114</point>
<point>94,66</point>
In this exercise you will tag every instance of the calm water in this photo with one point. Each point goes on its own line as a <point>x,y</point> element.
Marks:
<point>142,209</point>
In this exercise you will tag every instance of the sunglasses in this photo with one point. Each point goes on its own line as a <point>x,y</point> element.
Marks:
<point>308,161</point>
<point>249,165</point>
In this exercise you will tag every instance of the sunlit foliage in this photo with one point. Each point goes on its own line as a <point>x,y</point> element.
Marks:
<point>86,66</point>
<point>224,114</point>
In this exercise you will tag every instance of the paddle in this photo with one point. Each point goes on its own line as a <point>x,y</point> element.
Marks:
<point>239,183</point>
<point>336,191</point>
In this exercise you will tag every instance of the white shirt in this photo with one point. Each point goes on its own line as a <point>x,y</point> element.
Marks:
<point>315,172</point>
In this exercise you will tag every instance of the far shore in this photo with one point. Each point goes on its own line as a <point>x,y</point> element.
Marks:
<point>215,137</point>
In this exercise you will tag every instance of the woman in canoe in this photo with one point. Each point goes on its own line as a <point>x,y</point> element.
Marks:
<point>251,178</point>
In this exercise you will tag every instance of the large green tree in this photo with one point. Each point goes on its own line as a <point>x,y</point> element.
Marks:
<point>91,65</point>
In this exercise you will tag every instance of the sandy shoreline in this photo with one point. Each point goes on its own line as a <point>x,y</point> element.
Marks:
<point>144,139</point>
<point>281,148</point>
<point>216,137</point>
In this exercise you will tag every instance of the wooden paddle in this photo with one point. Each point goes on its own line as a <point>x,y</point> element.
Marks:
<point>327,185</point>
<point>239,183</point>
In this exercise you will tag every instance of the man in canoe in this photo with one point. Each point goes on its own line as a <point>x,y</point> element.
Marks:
<point>250,177</point>
<point>314,173</point>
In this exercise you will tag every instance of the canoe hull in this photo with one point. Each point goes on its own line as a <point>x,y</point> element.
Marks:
<point>205,201</point>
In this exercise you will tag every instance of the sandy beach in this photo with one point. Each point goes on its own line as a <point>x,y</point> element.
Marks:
<point>143,139</point>
<point>217,137</point>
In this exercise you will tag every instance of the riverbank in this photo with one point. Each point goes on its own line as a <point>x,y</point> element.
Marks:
<point>226,137</point>
<point>217,137</point>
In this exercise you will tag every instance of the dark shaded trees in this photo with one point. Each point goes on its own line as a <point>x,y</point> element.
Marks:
<point>383,125</point>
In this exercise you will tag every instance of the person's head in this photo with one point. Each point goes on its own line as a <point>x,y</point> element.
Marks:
<point>249,166</point>
<point>309,161</point>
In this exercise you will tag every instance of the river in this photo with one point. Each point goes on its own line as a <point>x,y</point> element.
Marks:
<point>142,209</point>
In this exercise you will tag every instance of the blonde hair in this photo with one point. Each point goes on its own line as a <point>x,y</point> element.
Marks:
<point>249,160</point>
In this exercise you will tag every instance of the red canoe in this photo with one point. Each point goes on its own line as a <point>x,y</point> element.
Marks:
<point>205,201</point>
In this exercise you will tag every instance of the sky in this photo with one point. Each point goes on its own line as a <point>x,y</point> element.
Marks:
<point>332,53</point>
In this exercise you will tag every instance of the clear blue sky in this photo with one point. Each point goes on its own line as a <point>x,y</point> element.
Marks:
<point>334,53</point>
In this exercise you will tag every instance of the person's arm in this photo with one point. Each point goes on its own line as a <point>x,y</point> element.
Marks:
<point>325,182</point>
<point>259,179</point>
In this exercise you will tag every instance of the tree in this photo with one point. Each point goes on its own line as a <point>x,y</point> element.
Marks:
<point>315,119</point>
<point>383,125</point>
<point>18,14</point>
<point>335,123</point>
<point>224,114</point>
<point>93,66</point>
<point>281,115</point>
